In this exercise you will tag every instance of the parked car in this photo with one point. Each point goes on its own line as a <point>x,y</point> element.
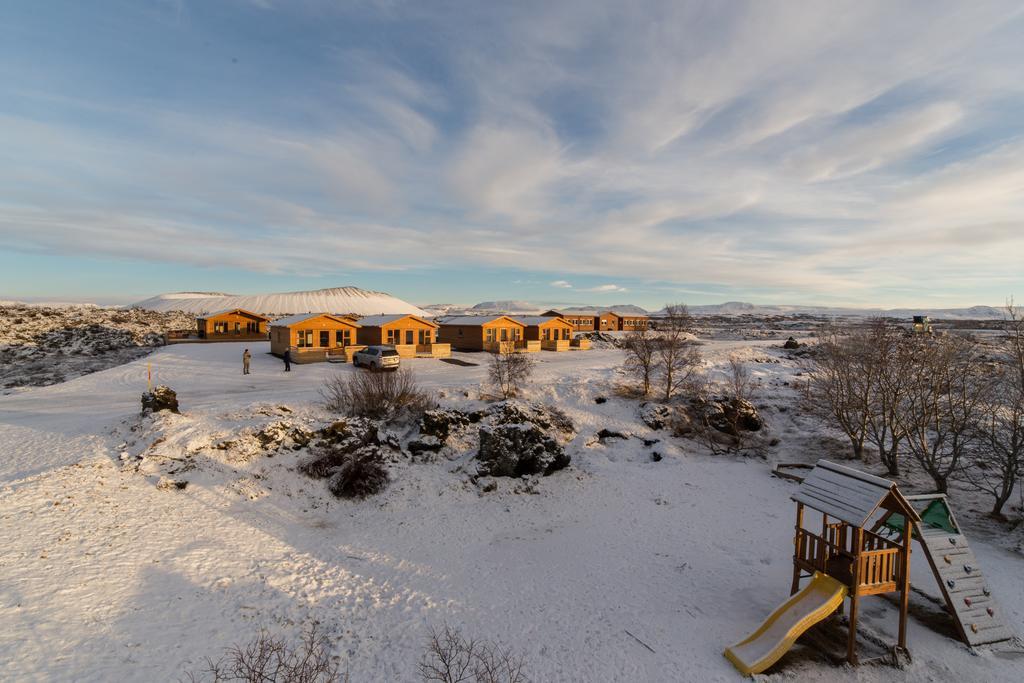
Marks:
<point>377,358</point>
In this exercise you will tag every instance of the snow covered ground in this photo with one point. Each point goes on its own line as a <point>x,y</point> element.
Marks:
<point>107,575</point>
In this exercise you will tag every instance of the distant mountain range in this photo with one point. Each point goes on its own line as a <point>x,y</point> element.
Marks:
<point>738,308</point>
<point>333,300</point>
<point>515,307</point>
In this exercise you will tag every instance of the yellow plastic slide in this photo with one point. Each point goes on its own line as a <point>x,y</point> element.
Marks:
<point>818,599</point>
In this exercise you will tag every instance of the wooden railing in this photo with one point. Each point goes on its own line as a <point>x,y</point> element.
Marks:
<point>878,570</point>
<point>813,551</point>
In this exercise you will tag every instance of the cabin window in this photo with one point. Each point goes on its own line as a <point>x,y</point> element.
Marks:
<point>490,334</point>
<point>409,336</point>
<point>546,335</point>
<point>424,337</point>
<point>517,334</point>
<point>238,327</point>
<point>305,338</point>
<point>220,328</point>
<point>325,338</point>
<point>391,336</point>
<point>504,334</point>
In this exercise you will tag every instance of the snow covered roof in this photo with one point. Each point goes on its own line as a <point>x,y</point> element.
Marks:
<point>337,299</point>
<point>303,317</point>
<point>530,320</point>
<point>214,314</point>
<point>848,494</point>
<point>379,320</point>
<point>475,319</point>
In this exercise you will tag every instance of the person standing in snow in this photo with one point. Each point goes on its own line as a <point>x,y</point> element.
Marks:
<point>287,360</point>
<point>246,357</point>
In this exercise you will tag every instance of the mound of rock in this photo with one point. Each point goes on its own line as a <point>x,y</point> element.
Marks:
<point>161,398</point>
<point>729,416</point>
<point>514,450</point>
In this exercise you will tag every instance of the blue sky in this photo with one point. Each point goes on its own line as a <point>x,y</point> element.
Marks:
<point>579,151</point>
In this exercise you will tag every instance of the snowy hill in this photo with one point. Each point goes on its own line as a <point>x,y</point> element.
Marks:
<point>743,308</point>
<point>533,308</point>
<point>622,309</point>
<point>333,300</point>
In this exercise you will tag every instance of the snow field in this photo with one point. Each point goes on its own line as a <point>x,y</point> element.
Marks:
<point>106,576</point>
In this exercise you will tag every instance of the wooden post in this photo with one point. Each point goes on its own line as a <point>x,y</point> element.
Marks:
<point>851,646</point>
<point>908,532</point>
<point>795,586</point>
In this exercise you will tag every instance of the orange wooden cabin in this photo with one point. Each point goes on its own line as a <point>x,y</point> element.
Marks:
<point>314,337</point>
<point>553,333</point>
<point>235,324</point>
<point>411,335</point>
<point>491,333</point>
<point>866,563</point>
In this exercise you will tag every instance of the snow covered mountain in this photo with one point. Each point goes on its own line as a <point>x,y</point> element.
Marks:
<point>333,300</point>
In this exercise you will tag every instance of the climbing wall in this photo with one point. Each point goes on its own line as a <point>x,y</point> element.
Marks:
<point>963,584</point>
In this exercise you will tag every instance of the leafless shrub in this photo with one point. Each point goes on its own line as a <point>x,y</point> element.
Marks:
<point>678,361</point>
<point>272,659</point>
<point>947,392</point>
<point>450,657</point>
<point>375,394</point>
<point>641,347</point>
<point>509,371</point>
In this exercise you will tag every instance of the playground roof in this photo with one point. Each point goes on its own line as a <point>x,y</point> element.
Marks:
<point>850,495</point>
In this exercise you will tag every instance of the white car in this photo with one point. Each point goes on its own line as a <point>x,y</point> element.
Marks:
<point>377,358</point>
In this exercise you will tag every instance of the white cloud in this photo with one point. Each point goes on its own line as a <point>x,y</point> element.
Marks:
<point>561,283</point>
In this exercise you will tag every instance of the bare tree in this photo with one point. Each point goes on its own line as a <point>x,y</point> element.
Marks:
<point>641,356</point>
<point>271,658</point>
<point>889,355</point>
<point>843,379</point>
<point>509,371</point>
<point>678,361</point>
<point>998,465</point>
<point>452,658</point>
<point>947,392</point>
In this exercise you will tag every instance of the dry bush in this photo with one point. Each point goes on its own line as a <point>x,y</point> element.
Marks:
<point>508,371</point>
<point>376,394</point>
<point>355,469</point>
<point>452,658</point>
<point>272,659</point>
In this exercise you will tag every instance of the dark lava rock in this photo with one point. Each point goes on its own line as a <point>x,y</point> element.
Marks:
<point>512,450</point>
<point>161,398</point>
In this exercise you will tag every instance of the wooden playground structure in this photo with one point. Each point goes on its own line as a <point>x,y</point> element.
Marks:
<point>863,561</point>
<point>867,528</point>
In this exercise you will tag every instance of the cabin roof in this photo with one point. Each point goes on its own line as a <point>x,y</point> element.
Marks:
<point>850,495</point>
<point>477,320</point>
<point>380,320</point>
<point>241,311</point>
<point>532,320</point>
<point>303,317</point>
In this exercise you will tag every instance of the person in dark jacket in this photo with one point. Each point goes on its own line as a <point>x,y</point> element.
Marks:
<point>246,358</point>
<point>287,360</point>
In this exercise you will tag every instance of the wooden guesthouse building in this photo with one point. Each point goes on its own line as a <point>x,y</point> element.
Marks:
<point>314,337</point>
<point>553,333</point>
<point>411,335</point>
<point>485,333</point>
<point>234,324</point>
<point>601,321</point>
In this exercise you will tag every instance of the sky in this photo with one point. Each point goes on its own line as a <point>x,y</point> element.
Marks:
<point>577,151</point>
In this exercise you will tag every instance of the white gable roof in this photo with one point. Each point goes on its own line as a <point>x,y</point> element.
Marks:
<point>475,319</point>
<point>303,317</point>
<point>378,320</point>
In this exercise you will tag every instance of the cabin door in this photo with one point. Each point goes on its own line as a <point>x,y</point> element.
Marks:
<point>409,337</point>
